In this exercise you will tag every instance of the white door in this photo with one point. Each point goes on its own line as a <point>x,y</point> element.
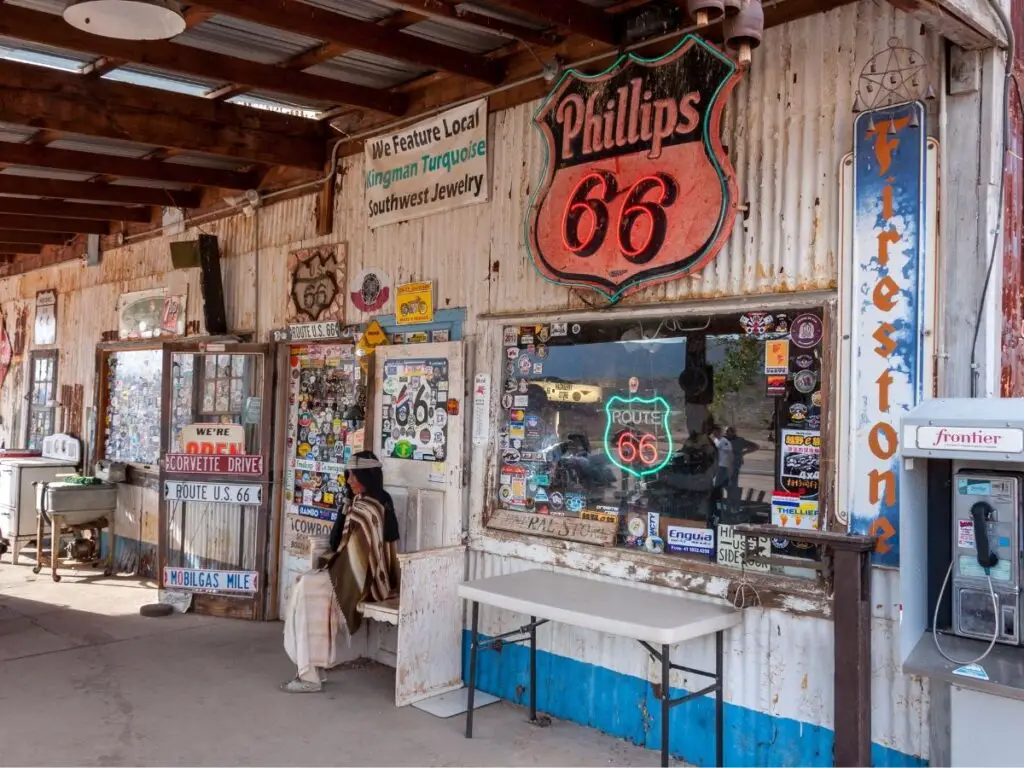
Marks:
<point>419,439</point>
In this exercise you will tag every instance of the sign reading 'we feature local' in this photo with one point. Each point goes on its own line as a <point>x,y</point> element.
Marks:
<point>638,188</point>
<point>436,165</point>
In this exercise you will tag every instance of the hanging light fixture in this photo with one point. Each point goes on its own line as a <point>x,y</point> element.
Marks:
<point>744,30</point>
<point>127,19</point>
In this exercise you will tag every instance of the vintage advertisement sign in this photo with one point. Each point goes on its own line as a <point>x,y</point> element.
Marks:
<point>198,580</point>
<point>330,329</point>
<point>638,188</point>
<point>204,464</point>
<point>150,314</point>
<point>370,290</point>
<point>300,530</point>
<point>212,493</point>
<point>435,165</point>
<point>222,439</point>
<point>414,303</point>
<point>888,289</point>
<point>45,329</point>
<point>317,283</point>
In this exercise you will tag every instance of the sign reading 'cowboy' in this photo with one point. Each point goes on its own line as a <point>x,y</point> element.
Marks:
<point>638,188</point>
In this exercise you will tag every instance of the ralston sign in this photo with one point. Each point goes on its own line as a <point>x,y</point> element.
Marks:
<point>638,188</point>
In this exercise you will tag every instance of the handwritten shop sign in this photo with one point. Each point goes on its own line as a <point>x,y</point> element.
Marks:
<point>638,188</point>
<point>557,526</point>
<point>889,288</point>
<point>436,165</point>
<point>196,580</point>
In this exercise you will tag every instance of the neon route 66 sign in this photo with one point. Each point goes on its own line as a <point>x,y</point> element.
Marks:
<point>637,436</point>
<point>637,188</point>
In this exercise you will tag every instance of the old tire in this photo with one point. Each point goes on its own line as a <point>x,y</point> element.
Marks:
<point>156,610</point>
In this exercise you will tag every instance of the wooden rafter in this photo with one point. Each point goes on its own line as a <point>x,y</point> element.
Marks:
<point>14,246</point>
<point>321,24</point>
<point>572,15</point>
<point>42,224</point>
<point>84,190</point>
<point>58,101</point>
<point>39,27</point>
<point>129,167</point>
<point>61,210</point>
<point>14,236</point>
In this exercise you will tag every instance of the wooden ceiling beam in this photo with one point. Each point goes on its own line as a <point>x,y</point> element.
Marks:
<point>41,224</point>
<point>58,101</point>
<point>21,237</point>
<point>38,27</point>
<point>130,167</point>
<point>9,247</point>
<point>56,209</point>
<point>84,190</point>
<point>572,15</point>
<point>321,24</point>
<point>443,10</point>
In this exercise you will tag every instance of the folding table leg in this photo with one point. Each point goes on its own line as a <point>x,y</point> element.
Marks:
<point>474,642</point>
<point>533,669</point>
<point>719,703</point>
<point>666,696</point>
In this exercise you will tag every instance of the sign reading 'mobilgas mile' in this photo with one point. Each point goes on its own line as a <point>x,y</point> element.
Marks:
<point>436,165</point>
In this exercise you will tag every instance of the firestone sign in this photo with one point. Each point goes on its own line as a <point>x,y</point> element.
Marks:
<point>638,188</point>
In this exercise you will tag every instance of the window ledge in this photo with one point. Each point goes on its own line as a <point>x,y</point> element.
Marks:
<point>744,588</point>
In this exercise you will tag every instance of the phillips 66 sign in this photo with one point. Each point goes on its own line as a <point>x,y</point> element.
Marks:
<point>638,188</point>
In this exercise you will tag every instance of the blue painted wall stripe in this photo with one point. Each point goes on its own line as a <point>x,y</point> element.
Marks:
<point>625,706</point>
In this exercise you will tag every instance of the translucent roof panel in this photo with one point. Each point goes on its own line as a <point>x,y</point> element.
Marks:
<point>244,40</point>
<point>369,69</point>
<point>46,6</point>
<point>366,10</point>
<point>16,133</point>
<point>43,56</point>
<point>206,161</point>
<point>281,104</point>
<point>504,14</point>
<point>102,146</point>
<point>150,77</point>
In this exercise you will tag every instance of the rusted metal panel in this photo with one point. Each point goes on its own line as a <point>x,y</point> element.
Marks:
<point>1012,370</point>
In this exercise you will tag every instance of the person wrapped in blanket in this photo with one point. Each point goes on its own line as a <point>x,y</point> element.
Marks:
<point>362,566</point>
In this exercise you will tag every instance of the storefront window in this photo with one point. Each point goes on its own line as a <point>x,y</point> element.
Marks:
<point>659,432</point>
<point>131,430</point>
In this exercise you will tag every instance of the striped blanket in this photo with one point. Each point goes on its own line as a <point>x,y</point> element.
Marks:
<point>312,623</point>
<point>360,570</point>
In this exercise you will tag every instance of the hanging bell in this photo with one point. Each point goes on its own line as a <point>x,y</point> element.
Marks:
<point>929,94</point>
<point>705,12</point>
<point>871,123</point>
<point>732,7</point>
<point>744,30</point>
<point>858,105</point>
<point>914,122</point>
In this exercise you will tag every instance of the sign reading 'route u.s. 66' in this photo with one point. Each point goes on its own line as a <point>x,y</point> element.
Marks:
<point>638,188</point>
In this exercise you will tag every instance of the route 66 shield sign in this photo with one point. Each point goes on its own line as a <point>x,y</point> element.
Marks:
<point>637,188</point>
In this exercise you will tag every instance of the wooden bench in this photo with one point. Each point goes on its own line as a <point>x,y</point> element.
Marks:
<point>419,633</point>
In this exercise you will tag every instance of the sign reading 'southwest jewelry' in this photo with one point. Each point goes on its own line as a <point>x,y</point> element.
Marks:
<point>638,188</point>
<point>436,165</point>
<point>889,289</point>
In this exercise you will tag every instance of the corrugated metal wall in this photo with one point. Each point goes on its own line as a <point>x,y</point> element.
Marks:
<point>787,127</point>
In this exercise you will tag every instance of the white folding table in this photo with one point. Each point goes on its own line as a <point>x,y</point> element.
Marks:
<point>651,618</point>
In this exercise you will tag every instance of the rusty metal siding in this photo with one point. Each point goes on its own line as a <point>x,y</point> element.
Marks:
<point>1012,369</point>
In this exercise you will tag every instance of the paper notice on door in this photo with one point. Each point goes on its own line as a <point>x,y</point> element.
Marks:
<point>481,408</point>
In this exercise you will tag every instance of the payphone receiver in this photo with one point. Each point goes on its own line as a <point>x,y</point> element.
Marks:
<point>981,513</point>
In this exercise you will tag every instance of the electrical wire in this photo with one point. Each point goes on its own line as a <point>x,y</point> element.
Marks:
<point>1011,49</point>
<point>995,618</point>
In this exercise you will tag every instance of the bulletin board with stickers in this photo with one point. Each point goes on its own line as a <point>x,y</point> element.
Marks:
<point>326,407</point>
<point>130,412</point>
<point>414,416</point>
<point>662,434</point>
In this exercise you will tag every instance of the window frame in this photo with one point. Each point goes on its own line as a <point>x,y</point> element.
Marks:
<point>662,569</point>
<point>32,408</point>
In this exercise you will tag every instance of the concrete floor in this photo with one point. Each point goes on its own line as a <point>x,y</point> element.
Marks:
<point>85,680</point>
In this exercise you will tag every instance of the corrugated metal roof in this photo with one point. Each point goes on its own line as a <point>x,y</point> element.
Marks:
<point>46,173</point>
<point>102,146</point>
<point>15,133</point>
<point>368,69</point>
<point>243,39</point>
<point>206,161</point>
<point>46,6</point>
<point>149,183</point>
<point>151,77</point>
<point>366,10</point>
<point>457,34</point>
<point>504,14</point>
<point>43,55</point>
